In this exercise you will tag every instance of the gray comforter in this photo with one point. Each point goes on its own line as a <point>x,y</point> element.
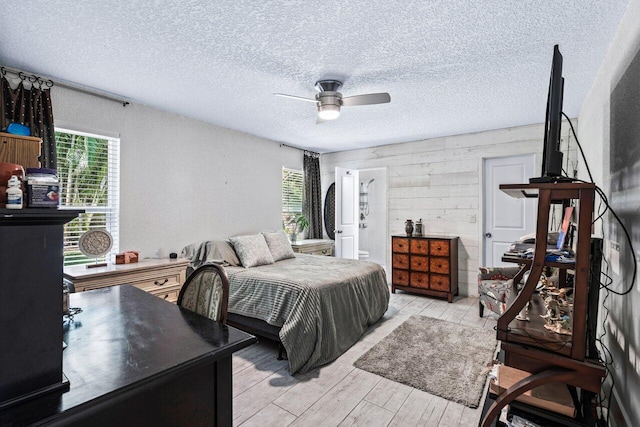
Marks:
<point>323,304</point>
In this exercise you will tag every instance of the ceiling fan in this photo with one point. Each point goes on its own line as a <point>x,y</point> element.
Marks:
<point>328,100</point>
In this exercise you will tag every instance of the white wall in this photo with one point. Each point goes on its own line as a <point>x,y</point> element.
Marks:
<point>182,180</point>
<point>440,181</point>
<point>622,331</point>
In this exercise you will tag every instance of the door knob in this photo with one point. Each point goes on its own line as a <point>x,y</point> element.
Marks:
<point>487,234</point>
<point>338,231</point>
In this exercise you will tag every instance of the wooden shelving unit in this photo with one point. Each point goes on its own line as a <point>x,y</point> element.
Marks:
<point>528,345</point>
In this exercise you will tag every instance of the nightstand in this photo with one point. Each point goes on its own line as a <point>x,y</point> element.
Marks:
<point>160,277</point>
<point>313,247</point>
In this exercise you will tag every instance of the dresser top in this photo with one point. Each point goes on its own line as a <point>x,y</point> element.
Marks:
<point>311,242</point>
<point>427,236</point>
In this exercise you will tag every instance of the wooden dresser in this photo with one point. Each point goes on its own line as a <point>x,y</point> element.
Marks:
<point>313,247</point>
<point>425,265</point>
<point>23,150</point>
<point>160,277</point>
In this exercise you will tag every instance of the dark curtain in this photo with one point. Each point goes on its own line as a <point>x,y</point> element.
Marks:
<point>313,194</point>
<point>32,108</point>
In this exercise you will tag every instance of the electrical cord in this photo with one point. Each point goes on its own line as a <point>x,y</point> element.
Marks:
<point>579,146</point>
<point>604,199</point>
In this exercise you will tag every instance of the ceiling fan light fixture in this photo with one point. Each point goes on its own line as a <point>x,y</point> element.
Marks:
<point>328,112</point>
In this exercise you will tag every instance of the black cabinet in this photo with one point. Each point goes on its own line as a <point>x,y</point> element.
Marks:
<point>31,302</point>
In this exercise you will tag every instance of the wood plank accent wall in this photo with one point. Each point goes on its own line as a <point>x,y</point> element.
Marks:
<point>440,181</point>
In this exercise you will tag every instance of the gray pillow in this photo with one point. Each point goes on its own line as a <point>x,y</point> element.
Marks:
<point>216,251</point>
<point>252,250</point>
<point>279,245</point>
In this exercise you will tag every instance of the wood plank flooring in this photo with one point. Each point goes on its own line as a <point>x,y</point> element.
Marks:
<point>338,394</point>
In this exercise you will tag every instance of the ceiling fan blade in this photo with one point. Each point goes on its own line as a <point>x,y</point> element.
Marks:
<point>296,97</point>
<point>368,99</point>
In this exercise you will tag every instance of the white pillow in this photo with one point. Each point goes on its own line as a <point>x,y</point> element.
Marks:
<point>252,250</point>
<point>279,245</point>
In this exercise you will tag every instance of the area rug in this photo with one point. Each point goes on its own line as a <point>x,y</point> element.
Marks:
<point>442,358</point>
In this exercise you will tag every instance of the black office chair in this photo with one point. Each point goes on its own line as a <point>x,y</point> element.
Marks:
<point>206,292</point>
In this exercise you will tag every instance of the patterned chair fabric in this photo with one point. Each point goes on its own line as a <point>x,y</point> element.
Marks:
<point>206,292</point>
<point>494,286</point>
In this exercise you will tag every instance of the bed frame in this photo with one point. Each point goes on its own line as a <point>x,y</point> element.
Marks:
<point>257,327</point>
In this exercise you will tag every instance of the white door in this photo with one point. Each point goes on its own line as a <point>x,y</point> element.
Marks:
<point>347,193</point>
<point>506,218</point>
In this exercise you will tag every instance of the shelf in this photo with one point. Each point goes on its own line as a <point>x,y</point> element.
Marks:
<point>529,261</point>
<point>534,333</point>
<point>564,190</point>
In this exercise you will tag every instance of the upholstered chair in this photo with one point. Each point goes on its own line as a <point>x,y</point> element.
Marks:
<point>206,292</point>
<point>494,285</point>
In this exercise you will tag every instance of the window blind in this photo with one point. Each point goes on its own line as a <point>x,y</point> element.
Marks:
<point>292,191</point>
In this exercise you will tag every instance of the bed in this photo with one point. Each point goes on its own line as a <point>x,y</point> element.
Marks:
<point>316,306</point>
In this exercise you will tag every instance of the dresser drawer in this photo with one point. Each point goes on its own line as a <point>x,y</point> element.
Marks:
<point>419,280</point>
<point>399,244</point>
<point>170,294</point>
<point>439,265</point>
<point>400,277</point>
<point>438,282</point>
<point>400,261</point>
<point>419,246</point>
<point>419,263</point>
<point>439,248</point>
<point>154,280</point>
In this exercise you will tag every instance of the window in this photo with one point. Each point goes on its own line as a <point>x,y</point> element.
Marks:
<point>292,190</point>
<point>88,171</point>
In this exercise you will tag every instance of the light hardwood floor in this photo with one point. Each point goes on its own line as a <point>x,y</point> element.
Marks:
<point>338,394</point>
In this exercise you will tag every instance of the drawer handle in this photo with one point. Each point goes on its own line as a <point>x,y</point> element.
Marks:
<point>160,284</point>
<point>439,247</point>
<point>439,282</point>
<point>166,296</point>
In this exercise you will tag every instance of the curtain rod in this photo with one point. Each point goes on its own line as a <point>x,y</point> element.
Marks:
<point>49,82</point>
<point>313,153</point>
<point>282,144</point>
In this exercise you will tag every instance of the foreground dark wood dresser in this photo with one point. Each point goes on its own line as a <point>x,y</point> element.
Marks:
<point>134,359</point>
<point>425,265</point>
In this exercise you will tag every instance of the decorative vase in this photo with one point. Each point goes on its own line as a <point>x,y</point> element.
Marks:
<point>408,227</point>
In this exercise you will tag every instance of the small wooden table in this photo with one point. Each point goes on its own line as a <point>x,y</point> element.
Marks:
<point>134,359</point>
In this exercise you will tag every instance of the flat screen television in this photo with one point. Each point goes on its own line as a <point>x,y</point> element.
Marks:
<point>551,155</point>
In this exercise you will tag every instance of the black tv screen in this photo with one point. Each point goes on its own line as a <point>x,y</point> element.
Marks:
<point>551,155</point>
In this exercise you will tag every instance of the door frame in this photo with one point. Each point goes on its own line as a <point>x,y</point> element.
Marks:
<point>481,197</point>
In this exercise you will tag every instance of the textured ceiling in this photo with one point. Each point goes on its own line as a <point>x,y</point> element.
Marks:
<point>451,67</point>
